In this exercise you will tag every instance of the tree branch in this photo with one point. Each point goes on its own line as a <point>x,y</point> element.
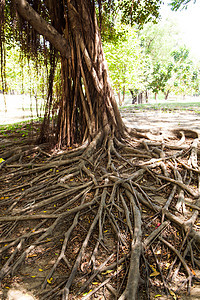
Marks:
<point>42,27</point>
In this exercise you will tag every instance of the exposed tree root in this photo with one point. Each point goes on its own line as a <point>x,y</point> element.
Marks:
<point>118,220</point>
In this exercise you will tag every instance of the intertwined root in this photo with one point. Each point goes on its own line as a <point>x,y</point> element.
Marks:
<point>104,221</point>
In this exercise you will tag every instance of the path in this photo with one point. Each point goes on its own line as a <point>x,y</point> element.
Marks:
<point>161,120</point>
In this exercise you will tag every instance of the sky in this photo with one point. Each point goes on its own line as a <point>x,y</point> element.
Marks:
<point>188,21</point>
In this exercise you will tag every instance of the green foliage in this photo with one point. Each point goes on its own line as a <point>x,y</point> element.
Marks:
<point>160,76</point>
<point>177,4</point>
<point>125,61</point>
<point>172,68</point>
<point>186,74</point>
<point>139,12</point>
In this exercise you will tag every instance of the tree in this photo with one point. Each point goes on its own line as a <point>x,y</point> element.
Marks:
<point>185,79</point>
<point>125,62</point>
<point>72,30</point>
<point>98,185</point>
<point>160,76</point>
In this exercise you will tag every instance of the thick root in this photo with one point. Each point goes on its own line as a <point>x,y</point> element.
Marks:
<point>102,220</point>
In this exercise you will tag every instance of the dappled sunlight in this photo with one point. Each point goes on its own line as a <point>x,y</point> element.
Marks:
<point>15,294</point>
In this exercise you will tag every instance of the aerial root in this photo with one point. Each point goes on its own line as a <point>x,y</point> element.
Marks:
<point>114,216</point>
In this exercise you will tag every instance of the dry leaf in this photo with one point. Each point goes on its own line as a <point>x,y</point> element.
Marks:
<point>155,272</point>
<point>50,280</point>
<point>193,272</point>
<point>167,266</point>
<point>173,295</point>
<point>107,272</point>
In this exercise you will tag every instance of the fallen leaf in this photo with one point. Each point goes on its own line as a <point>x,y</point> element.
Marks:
<point>50,280</point>
<point>167,266</point>
<point>156,296</point>
<point>40,270</point>
<point>158,252</point>
<point>155,272</point>
<point>193,272</point>
<point>107,272</point>
<point>95,283</point>
<point>173,295</point>
<point>158,225</point>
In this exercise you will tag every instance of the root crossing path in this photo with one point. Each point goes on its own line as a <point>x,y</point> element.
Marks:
<point>119,222</point>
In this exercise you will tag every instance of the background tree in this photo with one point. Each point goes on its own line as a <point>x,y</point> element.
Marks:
<point>125,62</point>
<point>185,74</point>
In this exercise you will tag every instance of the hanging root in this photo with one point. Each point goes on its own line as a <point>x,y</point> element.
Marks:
<point>121,220</point>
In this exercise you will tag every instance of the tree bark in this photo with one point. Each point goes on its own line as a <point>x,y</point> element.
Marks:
<point>87,104</point>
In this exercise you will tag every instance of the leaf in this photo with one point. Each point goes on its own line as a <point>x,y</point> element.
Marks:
<point>33,276</point>
<point>85,294</point>
<point>32,255</point>
<point>107,272</point>
<point>156,296</point>
<point>95,283</point>
<point>1,160</point>
<point>40,270</point>
<point>50,280</point>
<point>193,272</point>
<point>155,272</point>
<point>173,295</point>
<point>158,252</point>
<point>167,266</point>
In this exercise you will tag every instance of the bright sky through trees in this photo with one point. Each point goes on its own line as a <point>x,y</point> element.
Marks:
<point>188,21</point>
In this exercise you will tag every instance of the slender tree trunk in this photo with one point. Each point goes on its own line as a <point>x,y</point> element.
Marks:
<point>124,90</point>
<point>166,95</point>
<point>119,98</point>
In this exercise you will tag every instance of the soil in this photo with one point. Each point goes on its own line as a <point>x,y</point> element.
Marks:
<point>24,285</point>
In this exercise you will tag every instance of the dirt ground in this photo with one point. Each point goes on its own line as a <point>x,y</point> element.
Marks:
<point>157,121</point>
<point>161,121</point>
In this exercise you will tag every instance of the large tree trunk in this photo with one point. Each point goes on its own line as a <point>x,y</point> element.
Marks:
<point>87,105</point>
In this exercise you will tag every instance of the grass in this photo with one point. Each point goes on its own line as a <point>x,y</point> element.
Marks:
<point>168,106</point>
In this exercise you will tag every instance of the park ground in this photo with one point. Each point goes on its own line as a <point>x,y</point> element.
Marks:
<point>156,119</point>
